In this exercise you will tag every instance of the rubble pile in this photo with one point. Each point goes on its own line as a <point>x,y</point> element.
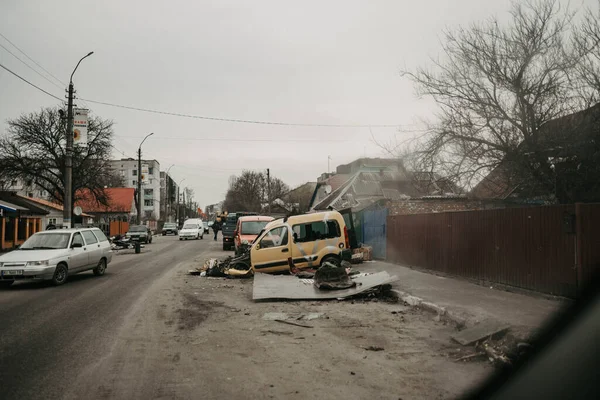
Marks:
<point>229,267</point>
<point>502,353</point>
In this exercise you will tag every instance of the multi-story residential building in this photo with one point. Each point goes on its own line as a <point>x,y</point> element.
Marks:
<point>168,197</point>
<point>24,188</point>
<point>128,170</point>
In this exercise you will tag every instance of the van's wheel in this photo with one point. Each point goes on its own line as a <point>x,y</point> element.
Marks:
<point>60,275</point>
<point>332,260</point>
<point>100,268</point>
<point>201,236</point>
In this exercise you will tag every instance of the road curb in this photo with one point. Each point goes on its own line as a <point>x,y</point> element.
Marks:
<point>441,312</point>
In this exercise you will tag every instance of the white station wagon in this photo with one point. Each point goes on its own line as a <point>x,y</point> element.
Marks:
<point>56,254</point>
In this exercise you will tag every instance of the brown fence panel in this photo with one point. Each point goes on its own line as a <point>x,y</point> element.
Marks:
<point>524,247</point>
<point>588,223</point>
<point>118,228</point>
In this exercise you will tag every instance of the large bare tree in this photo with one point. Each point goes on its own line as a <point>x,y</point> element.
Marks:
<point>586,40</point>
<point>498,85</point>
<point>33,150</point>
<point>249,191</point>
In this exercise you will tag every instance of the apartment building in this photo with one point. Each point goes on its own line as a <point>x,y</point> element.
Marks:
<point>151,186</point>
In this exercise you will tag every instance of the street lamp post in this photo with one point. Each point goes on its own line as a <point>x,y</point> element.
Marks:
<point>68,197</point>
<point>140,209</point>
<point>177,214</point>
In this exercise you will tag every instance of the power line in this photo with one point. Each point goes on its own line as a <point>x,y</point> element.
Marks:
<point>244,121</point>
<point>29,66</point>
<point>32,60</point>
<point>36,63</point>
<point>26,81</point>
<point>246,140</point>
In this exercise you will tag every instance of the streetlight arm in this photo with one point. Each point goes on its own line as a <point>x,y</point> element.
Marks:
<point>82,58</point>
<point>147,136</point>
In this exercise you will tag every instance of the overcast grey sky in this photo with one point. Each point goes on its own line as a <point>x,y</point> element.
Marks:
<point>317,62</point>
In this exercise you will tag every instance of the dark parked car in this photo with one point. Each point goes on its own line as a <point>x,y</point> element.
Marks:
<point>169,228</point>
<point>139,233</point>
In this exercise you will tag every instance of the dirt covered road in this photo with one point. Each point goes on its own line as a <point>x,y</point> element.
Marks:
<point>190,337</point>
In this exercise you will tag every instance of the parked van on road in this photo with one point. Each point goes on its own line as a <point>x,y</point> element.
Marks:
<point>309,239</point>
<point>192,229</point>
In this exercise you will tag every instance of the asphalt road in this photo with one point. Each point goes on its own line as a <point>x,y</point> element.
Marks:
<point>149,330</point>
<point>48,335</point>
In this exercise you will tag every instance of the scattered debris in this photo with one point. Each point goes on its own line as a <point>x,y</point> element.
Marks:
<point>283,321</point>
<point>357,258</point>
<point>272,316</point>
<point>229,267</point>
<point>373,348</point>
<point>470,356</point>
<point>365,251</point>
<point>352,373</point>
<point>274,287</point>
<point>278,333</point>
<point>332,277</point>
<point>479,332</point>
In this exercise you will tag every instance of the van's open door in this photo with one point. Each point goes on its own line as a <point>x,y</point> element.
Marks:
<point>349,220</point>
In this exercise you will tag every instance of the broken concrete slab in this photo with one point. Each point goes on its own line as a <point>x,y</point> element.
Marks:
<point>281,287</point>
<point>480,332</point>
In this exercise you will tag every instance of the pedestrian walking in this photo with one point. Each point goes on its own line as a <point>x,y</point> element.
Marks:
<point>216,227</point>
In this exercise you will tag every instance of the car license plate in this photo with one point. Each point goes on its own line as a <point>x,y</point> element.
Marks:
<point>12,272</point>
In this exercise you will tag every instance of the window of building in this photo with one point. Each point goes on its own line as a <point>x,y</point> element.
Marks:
<point>150,170</point>
<point>148,192</point>
<point>122,173</point>
<point>14,183</point>
<point>52,221</point>
<point>148,203</point>
<point>134,183</point>
<point>134,172</point>
<point>316,230</point>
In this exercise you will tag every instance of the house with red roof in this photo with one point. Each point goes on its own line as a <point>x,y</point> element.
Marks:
<point>55,212</point>
<point>115,214</point>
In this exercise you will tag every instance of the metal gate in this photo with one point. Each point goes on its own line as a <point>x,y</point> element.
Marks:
<point>373,231</point>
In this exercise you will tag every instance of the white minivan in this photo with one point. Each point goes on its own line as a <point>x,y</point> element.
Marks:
<point>192,229</point>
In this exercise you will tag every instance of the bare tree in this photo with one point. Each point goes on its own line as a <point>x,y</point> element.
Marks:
<point>586,40</point>
<point>245,192</point>
<point>248,192</point>
<point>278,189</point>
<point>497,86</point>
<point>33,149</point>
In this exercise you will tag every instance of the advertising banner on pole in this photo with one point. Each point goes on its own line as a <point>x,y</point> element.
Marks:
<point>80,126</point>
<point>144,173</point>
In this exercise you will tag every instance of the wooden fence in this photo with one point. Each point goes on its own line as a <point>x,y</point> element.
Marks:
<point>550,249</point>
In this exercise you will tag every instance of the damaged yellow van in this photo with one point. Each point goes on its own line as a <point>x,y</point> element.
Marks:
<point>308,239</point>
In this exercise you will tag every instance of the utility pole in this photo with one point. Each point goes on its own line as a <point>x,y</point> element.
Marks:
<point>269,189</point>
<point>139,188</point>
<point>328,169</point>
<point>139,185</point>
<point>68,196</point>
<point>184,204</point>
<point>177,213</point>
